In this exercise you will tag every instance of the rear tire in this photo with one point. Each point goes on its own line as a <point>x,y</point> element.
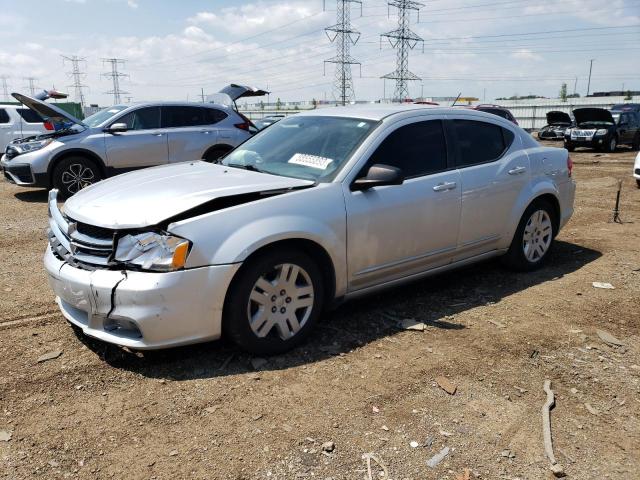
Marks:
<point>533,239</point>
<point>72,174</point>
<point>273,302</point>
<point>215,154</point>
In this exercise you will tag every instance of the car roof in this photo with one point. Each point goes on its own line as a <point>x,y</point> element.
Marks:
<point>172,104</point>
<point>381,111</point>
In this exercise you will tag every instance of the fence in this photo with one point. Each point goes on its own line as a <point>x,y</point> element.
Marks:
<point>531,114</point>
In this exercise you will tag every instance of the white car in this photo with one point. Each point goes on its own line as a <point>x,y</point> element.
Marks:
<point>636,170</point>
<point>320,207</point>
<point>18,122</point>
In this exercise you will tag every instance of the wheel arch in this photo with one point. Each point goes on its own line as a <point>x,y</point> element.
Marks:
<point>75,152</point>
<point>311,248</point>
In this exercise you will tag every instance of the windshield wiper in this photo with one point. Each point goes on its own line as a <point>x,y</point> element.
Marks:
<point>251,168</point>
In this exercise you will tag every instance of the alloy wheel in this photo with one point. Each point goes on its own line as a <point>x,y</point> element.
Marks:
<point>281,299</point>
<point>76,177</point>
<point>538,234</point>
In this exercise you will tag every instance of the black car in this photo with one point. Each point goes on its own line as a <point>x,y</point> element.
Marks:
<point>557,124</point>
<point>603,129</point>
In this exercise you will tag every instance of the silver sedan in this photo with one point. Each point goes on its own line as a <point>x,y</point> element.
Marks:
<point>316,209</point>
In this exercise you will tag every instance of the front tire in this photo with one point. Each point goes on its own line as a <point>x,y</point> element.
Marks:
<point>273,302</point>
<point>569,147</point>
<point>612,145</point>
<point>72,174</point>
<point>533,239</point>
<point>636,143</point>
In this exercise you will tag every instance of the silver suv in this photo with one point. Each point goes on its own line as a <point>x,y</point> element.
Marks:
<point>122,138</point>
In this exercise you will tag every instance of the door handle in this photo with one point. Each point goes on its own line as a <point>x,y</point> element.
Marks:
<point>206,132</point>
<point>157,134</point>
<point>517,171</point>
<point>441,187</point>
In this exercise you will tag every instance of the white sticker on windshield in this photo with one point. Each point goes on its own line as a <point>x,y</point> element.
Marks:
<point>312,161</point>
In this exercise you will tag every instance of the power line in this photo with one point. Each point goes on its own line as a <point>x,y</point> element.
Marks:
<point>77,76</point>
<point>343,35</point>
<point>115,76</point>
<point>403,39</point>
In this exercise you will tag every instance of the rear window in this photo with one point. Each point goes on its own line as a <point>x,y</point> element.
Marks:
<point>4,116</point>
<point>213,115</point>
<point>497,111</point>
<point>480,142</point>
<point>177,116</point>
<point>29,116</point>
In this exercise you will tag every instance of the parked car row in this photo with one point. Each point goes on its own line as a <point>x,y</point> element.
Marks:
<point>121,138</point>
<point>596,128</point>
<point>320,207</point>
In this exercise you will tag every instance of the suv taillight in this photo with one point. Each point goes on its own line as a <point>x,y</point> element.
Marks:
<point>48,126</point>
<point>246,125</point>
<point>569,164</point>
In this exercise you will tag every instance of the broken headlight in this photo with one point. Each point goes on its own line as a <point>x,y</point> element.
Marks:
<point>153,251</point>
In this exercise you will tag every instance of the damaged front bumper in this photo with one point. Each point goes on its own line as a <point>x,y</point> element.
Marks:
<point>142,310</point>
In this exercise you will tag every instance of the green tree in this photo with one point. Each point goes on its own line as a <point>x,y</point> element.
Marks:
<point>563,92</point>
<point>261,105</point>
<point>278,104</point>
<point>314,102</point>
<point>628,97</point>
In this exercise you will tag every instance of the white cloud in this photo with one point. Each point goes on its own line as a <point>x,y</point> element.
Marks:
<point>526,54</point>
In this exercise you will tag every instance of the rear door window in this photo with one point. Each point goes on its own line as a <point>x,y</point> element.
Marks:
<point>178,116</point>
<point>29,116</point>
<point>479,142</point>
<point>142,119</point>
<point>4,116</point>
<point>417,149</point>
<point>212,116</point>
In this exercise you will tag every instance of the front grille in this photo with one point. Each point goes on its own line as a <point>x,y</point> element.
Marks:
<point>79,243</point>
<point>10,152</point>
<point>94,231</point>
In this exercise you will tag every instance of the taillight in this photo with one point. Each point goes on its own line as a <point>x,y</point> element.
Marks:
<point>246,125</point>
<point>48,126</point>
<point>569,164</point>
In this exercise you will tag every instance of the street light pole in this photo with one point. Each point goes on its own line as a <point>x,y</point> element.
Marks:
<point>590,68</point>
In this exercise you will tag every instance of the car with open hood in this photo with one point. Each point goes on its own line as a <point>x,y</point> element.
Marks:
<point>557,124</point>
<point>77,153</point>
<point>603,129</point>
<point>320,207</point>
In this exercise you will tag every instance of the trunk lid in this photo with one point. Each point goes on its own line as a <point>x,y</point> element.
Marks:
<point>46,110</point>
<point>147,197</point>
<point>558,118</point>
<point>588,115</point>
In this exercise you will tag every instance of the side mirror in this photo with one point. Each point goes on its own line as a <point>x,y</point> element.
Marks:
<point>379,175</point>
<point>117,128</point>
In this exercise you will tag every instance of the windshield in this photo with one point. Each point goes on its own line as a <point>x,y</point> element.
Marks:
<point>102,116</point>
<point>312,148</point>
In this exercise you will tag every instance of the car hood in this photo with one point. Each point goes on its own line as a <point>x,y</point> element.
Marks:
<point>558,118</point>
<point>46,110</point>
<point>148,197</point>
<point>585,115</point>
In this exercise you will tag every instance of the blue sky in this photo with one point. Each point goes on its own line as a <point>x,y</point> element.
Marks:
<point>175,48</point>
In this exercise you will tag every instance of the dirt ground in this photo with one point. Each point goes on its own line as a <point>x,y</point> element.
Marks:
<point>210,411</point>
